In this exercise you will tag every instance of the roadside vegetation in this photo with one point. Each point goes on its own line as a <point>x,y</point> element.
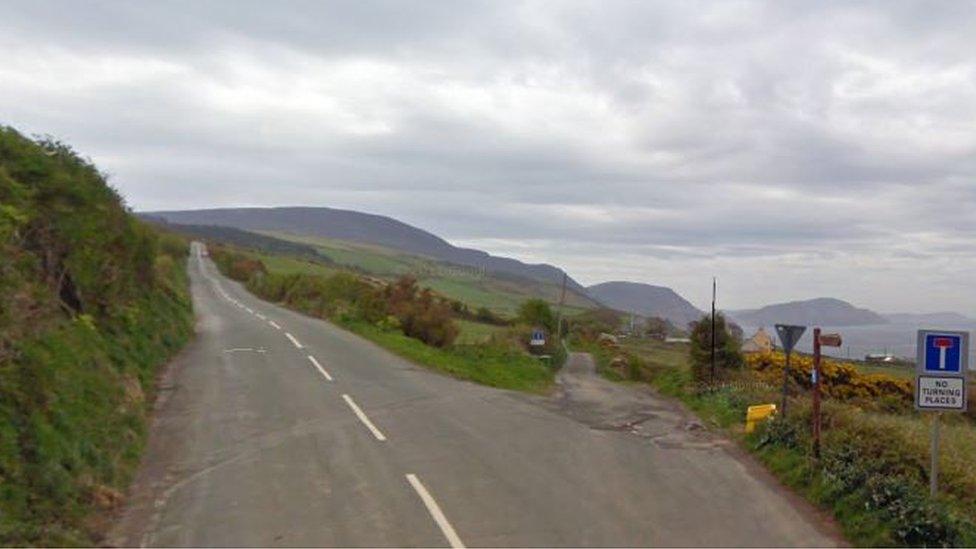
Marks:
<point>873,472</point>
<point>92,302</point>
<point>400,315</point>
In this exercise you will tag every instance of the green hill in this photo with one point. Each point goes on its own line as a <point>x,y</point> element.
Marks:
<point>92,302</point>
<point>500,292</point>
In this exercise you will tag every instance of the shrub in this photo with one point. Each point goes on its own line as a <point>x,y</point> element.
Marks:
<point>487,316</point>
<point>839,380</point>
<point>537,312</point>
<point>727,354</point>
<point>421,315</point>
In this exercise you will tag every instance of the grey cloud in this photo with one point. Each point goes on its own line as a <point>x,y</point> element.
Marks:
<point>660,141</point>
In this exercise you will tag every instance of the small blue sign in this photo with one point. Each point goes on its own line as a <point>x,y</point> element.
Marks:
<point>943,352</point>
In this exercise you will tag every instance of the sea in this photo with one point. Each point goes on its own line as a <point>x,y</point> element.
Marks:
<point>897,339</point>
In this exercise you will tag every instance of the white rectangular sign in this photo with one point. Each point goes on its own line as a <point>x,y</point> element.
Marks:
<point>940,393</point>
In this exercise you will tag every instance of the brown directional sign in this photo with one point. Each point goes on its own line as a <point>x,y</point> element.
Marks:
<point>831,340</point>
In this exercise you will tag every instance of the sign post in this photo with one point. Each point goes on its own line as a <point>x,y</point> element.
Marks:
<point>788,337</point>
<point>940,382</point>
<point>819,340</point>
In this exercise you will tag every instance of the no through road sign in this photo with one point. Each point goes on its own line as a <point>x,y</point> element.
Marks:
<point>943,352</point>
<point>940,371</point>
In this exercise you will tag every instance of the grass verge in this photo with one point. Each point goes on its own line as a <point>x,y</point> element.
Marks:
<point>489,364</point>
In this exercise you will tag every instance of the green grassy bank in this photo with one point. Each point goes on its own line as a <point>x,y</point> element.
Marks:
<point>92,303</point>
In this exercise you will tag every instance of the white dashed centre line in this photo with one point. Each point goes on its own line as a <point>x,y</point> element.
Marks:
<point>362,417</point>
<point>293,340</point>
<point>320,368</point>
<point>261,316</point>
<point>435,512</point>
<point>274,324</point>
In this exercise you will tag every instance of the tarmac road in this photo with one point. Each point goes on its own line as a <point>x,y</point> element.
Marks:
<point>275,429</point>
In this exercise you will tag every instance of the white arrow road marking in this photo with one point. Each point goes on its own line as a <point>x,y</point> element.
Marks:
<point>319,366</point>
<point>362,417</point>
<point>293,340</point>
<point>435,512</point>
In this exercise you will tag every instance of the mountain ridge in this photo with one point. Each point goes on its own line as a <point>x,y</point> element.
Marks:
<point>826,311</point>
<point>646,300</point>
<point>362,227</point>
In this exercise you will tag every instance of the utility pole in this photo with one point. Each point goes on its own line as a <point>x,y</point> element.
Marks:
<point>713,330</point>
<point>559,313</point>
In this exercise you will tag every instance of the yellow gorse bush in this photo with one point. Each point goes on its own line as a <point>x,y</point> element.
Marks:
<point>842,380</point>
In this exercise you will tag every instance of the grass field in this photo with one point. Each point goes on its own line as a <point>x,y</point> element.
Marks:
<point>904,372</point>
<point>291,265</point>
<point>498,293</point>
<point>475,332</point>
<point>375,260</point>
<point>658,353</point>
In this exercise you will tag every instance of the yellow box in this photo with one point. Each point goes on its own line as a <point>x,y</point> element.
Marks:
<point>758,413</point>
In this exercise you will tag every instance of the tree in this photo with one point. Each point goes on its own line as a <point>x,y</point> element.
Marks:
<point>727,353</point>
<point>657,328</point>
<point>536,312</point>
<point>591,323</point>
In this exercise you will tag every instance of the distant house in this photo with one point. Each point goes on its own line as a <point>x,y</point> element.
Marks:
<point>761,342</point>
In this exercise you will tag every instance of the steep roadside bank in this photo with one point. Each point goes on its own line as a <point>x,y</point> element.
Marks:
<point>92,302</point>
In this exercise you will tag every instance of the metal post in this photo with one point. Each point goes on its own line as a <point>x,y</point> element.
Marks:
<point>816,393</point>
<point>934,474</point>
<point>786,380</point>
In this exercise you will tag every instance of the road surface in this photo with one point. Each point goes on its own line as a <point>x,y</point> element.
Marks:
<point>275,429</point>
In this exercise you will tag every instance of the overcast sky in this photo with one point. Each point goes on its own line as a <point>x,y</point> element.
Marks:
<point>794,150</point>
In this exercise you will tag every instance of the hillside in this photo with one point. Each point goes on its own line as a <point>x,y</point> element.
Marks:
<point>500,292</point>
<point>647,300</point>
<point>92,302</point>
<point>238,237</point>
<point>364,228</point>
<point>823,311</point>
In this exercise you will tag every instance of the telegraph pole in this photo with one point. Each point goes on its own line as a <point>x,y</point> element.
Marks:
<point>713,330</point>
<point>559,313</point>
